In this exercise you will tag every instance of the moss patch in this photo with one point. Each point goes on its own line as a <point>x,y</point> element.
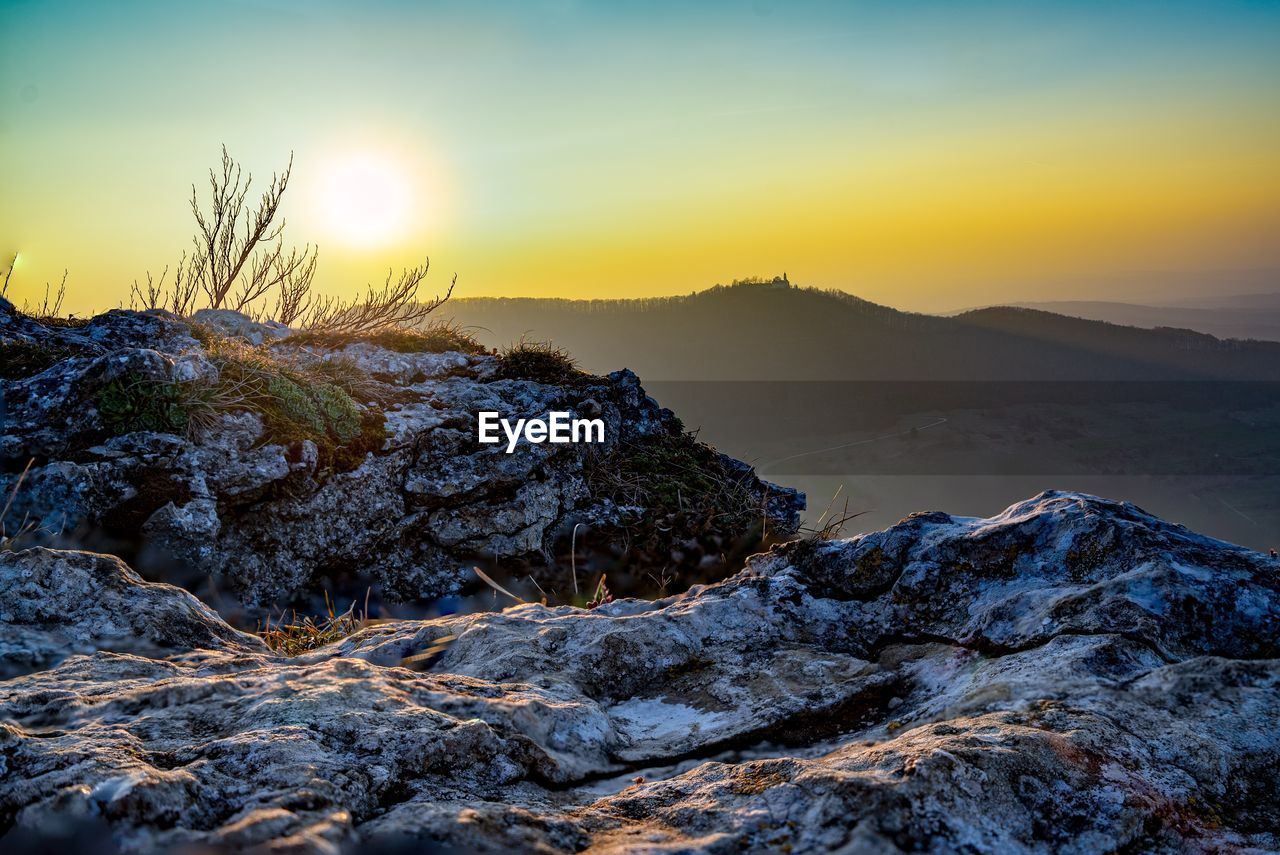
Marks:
<point>300,403</point>
<point>296,402</point>
<point>130,403</point>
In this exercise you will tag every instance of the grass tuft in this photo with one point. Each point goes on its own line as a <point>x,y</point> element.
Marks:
<point>435,337</point>
<point>303,636</point>
<point>540,362</point>
<point>297,402</point>
<point>682,484</point>
<point>21,359</point>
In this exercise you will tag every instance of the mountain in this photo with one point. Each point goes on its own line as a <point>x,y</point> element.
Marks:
<point>1267,300</point>
<point>775,331</point>
<point>1255,316</point>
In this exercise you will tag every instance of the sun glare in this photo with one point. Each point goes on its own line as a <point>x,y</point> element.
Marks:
<point>367,199</point>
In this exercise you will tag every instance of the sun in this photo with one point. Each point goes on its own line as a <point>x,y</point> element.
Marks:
<point>367,198</point>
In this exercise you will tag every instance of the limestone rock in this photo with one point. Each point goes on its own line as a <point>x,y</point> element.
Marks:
<point>1071,675</point>
<point>56,603</point>
<point>237,325</point>
<point>270,518</point>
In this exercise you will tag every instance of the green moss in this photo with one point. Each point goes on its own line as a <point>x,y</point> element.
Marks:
<point>299,401</point>
<point>338,410</point>
<point>131,403</point>
<point>296,408</point>
<point>289,409</point>
<point>370,438</point>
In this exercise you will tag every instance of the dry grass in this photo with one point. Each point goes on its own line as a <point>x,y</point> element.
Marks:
<point>303,636</point>
<point>9,540</point>
<point>830,526</point>
<point>540,362</point>
<point>438,336</point>
<point>331,403</point>
<point>677,479</point>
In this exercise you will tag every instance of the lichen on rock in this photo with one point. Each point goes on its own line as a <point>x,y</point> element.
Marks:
<point>270,466</point>
<point>970,688</point>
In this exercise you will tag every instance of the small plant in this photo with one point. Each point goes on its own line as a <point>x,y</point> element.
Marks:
<point>298,637</point>
<point>601,595</point>
<point>303,401</point>
<point>674,475</point>
<point>830,526</point>
<point>539,361</point>
<point>682,507</point>
<point>8,540</point>
<point>297,401</point>
<point>128,404</point>
<point>238,260</point>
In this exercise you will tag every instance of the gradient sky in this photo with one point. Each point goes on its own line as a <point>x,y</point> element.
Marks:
<point>925,155</point>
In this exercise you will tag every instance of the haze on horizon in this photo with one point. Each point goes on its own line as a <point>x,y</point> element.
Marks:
<point>928,158</point>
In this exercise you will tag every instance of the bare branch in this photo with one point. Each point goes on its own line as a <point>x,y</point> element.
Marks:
<point>8,274</point>
<point>294,280</point>
<point>150,297</point>
<point>394,304</point>
<point>182,297</point>
<point>239,256</point>
<point>52,305</point>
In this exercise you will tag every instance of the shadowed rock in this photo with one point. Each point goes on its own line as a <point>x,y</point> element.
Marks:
<point>55,603</point>
<point>120,463</point>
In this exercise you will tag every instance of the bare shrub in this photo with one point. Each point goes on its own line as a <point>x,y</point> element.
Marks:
<point>395,304</point>
<point>239,255</point>
<point>232,237</point>
<point>8,274</point>
<point>179,297</point>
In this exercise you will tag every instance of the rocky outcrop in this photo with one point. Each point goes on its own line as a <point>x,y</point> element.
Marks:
<point>56,603</point>
<point>144,444</point>
<point>231,323</point>
<point>1071,675</point>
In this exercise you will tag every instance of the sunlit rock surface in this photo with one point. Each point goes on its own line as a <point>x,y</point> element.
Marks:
<point>1072,675</point>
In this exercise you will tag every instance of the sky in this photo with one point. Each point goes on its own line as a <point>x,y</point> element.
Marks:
<point>925,155</point>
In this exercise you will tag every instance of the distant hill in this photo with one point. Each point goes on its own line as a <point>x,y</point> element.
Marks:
<point>1267,300</point>
<point>1254,316</point>
<point>775,331</point>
